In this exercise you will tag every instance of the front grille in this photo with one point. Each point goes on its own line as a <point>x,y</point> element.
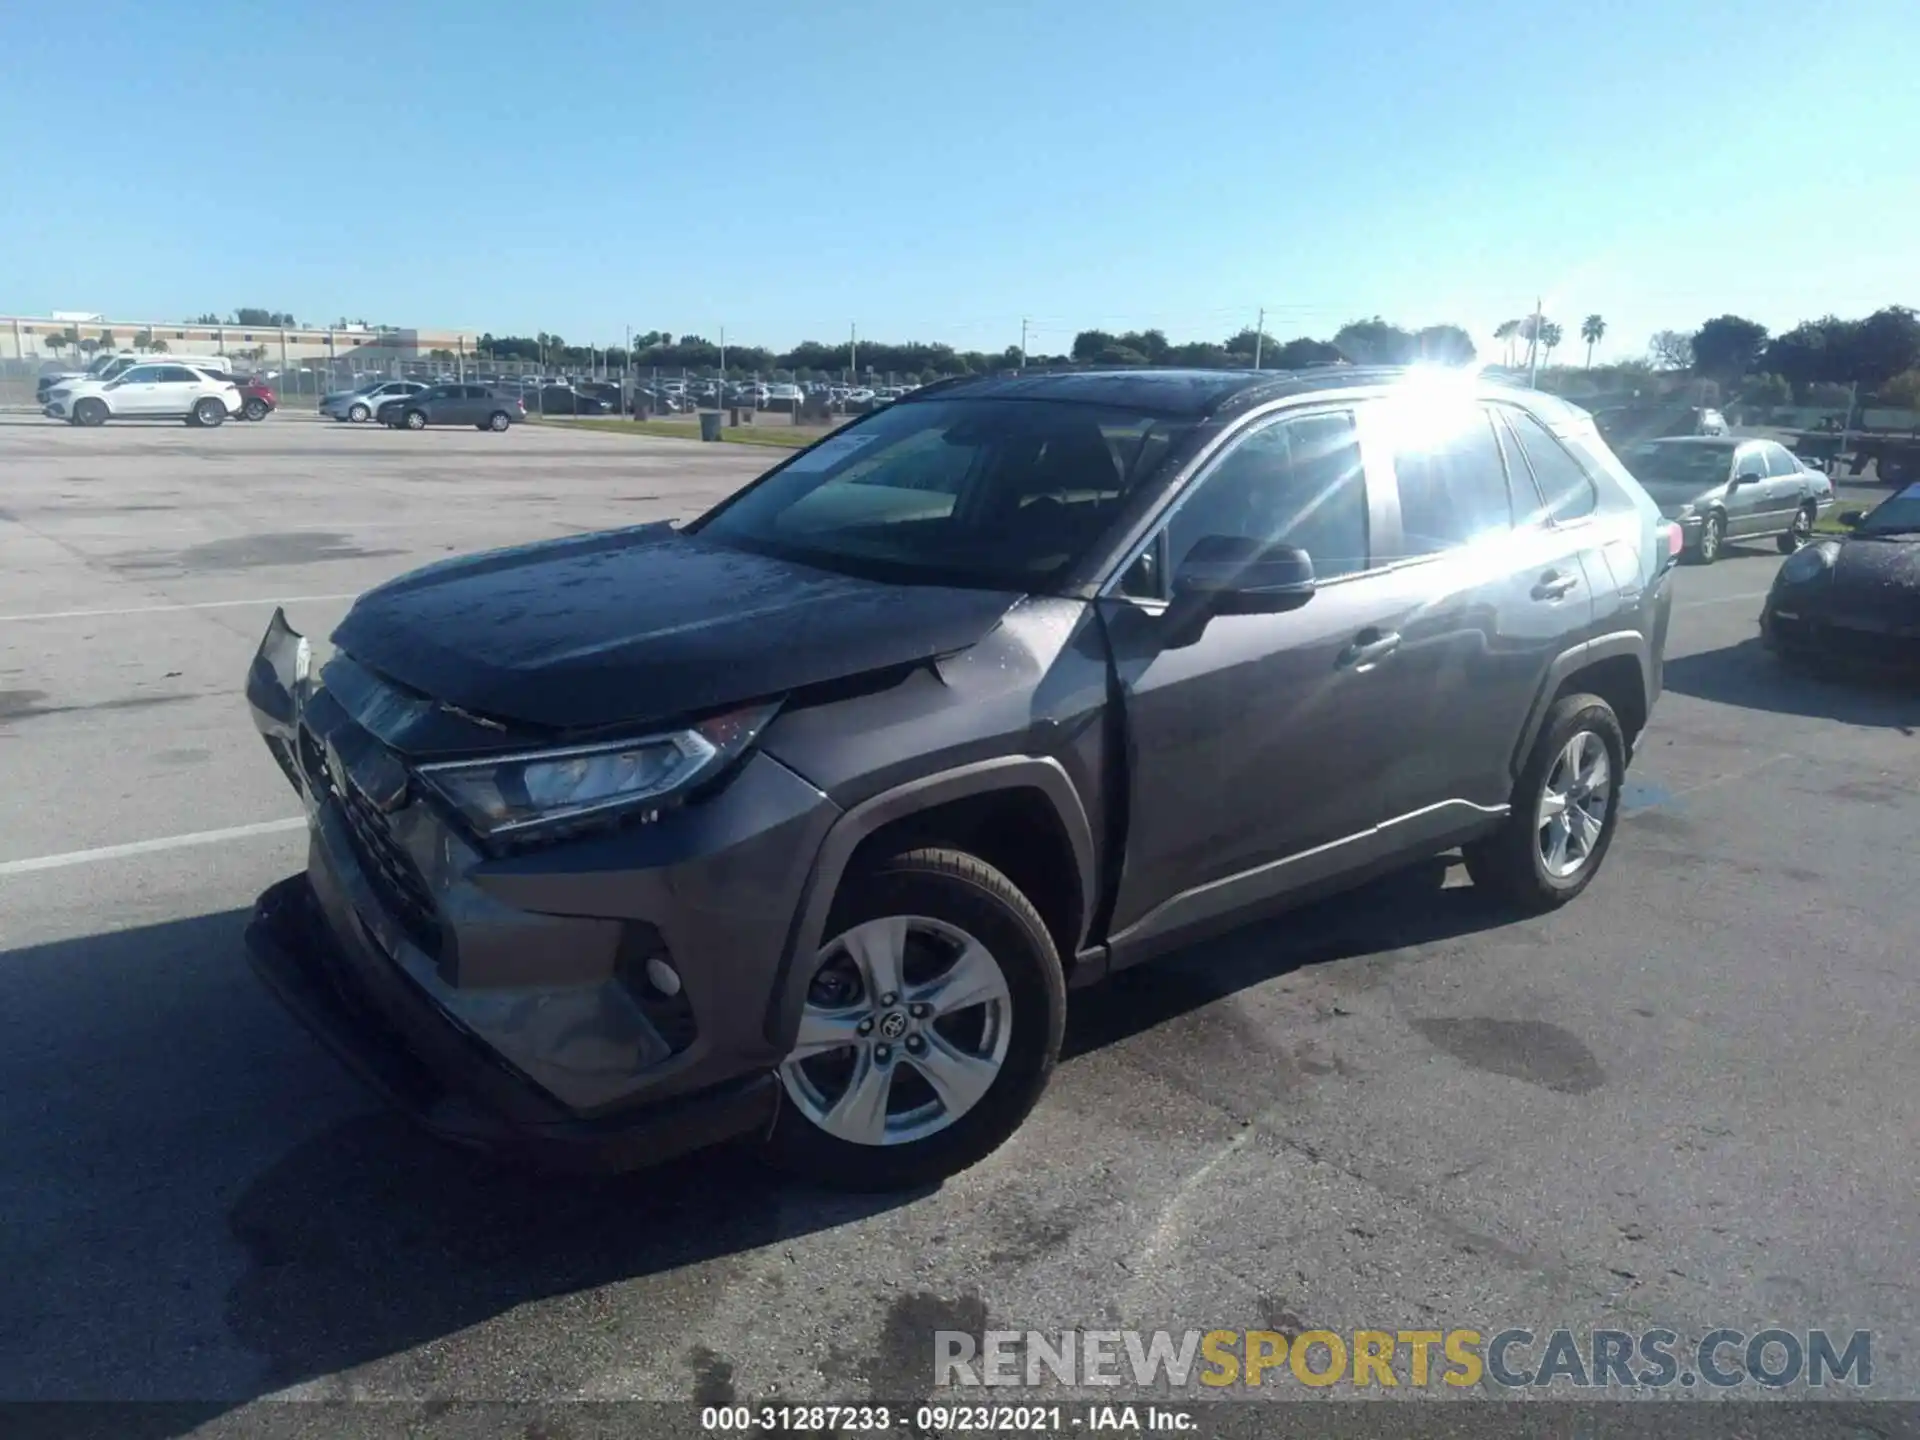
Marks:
<point>390,870</point>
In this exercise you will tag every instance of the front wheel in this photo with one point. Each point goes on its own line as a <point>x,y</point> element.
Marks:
<point>359,414</point>
<point>1798,533</point>
<point>933,1018</point>
<point>208,413</point>
<point>256,410</point>
<point>90,412</point>
<point>416,420</point>
<point>1565,808</point>
<point>1713,535</point>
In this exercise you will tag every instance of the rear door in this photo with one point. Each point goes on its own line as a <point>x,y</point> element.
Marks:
<point>1786,485</point>
<point>177,390</point>
<point>1502,591</point>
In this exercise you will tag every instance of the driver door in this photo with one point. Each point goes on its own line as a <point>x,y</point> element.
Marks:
<point>138,392</point>
<point>1255,746</point>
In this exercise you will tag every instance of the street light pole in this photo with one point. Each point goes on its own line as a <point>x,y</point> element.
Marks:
<point>1259,334</point>
<point>1533,347</point>
<point>1023,342</point>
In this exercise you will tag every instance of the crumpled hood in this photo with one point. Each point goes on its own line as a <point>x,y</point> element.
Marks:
<point>642,625</point>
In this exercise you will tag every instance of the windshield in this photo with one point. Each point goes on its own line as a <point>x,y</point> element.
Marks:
<point>1002,493</point>
<point>1697,466</point>
<point>1897,516</point>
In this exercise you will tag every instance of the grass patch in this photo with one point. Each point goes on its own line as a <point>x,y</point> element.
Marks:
<point>781,437</point>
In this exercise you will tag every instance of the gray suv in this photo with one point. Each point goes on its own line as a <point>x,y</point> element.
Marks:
<point>802,818</point>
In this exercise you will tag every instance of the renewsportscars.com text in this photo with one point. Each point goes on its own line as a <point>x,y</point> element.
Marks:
<point>1389,1359</point>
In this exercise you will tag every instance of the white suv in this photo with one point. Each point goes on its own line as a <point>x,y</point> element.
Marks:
<point>157,391</point>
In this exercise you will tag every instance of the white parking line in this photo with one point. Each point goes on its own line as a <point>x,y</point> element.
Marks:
<point>148,847</point>
<point>163,609</point>
<point>1716,600</point>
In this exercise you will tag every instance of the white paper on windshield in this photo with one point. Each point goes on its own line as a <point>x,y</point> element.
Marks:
<point>830,452</point>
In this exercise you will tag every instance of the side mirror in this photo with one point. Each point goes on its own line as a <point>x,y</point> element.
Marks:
<point>1748,477</point>
<point>1238,576</point>
<point>1851,518</point>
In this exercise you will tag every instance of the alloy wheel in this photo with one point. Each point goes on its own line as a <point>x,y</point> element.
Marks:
<point>905,1028</point>
<point>1574,801</point>
<point>1801,531</point>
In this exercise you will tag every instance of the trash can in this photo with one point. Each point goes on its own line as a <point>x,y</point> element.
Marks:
<point>709,424</point>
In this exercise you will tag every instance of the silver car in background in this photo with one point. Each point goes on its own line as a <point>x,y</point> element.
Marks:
<point>1718,488</point>
<point>360,406</point>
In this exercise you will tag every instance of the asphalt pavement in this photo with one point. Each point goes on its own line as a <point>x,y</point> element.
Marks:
<point>1691,1098</point>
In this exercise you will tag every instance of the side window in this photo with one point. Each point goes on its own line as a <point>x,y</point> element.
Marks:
<point>1779,462</point>
<point>140,375</point>
<point>1453,481</point>
<point>1295,482</point>
<point>178,375</point>
<point>1565,488</point>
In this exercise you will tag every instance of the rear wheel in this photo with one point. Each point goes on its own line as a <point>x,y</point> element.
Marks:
<point>1565,808</point>
<point>208,413</point>
<point>90,412</point>
<point>359,414</point>
<point>256,409</point>
<point>499,420</point>
<point>1799,532</point>
<point>932,1020</point>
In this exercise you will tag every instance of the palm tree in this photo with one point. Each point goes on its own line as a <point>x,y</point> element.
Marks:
<point>1506,330</point>
<point>56,343</point>
<point>1550,336</point>
<point>1592,330</point>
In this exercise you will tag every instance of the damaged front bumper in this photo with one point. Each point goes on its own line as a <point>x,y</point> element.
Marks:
<point>500,1001</point>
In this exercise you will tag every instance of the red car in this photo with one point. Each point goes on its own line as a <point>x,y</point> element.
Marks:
<point>257,400</point>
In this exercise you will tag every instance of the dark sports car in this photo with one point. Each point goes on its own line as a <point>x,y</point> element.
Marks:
<point>1854,599</point>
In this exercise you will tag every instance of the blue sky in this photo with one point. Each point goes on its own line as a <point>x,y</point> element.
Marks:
<point>937,171</point>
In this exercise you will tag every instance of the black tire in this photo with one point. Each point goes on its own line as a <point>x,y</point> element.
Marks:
<point>498,421</point>
<point>963,891</point>
<point>1508,862</point>
<point>1713,539</point>
<point>414,419</point>
<point>207,414</point>
<point>359,414</point>
<point>90,413</point>
<point>255,410</point>
<point>1799,533</point>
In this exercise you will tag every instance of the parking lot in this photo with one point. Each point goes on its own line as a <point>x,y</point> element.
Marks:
<point>1688,1099</point>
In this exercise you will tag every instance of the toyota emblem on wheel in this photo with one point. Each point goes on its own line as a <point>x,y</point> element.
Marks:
<point>893,1026</point>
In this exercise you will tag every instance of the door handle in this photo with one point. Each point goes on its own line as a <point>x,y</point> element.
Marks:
<point>1369,647</point>
<point>1554,585</point>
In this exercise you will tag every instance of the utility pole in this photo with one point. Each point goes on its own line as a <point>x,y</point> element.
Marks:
<point>1023,342</point>
<point>721,394</point>
<point>853,353</point>
<point>1533,347</point>
<point>1259,335</point>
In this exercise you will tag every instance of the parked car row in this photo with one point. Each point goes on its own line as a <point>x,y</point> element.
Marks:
<point>158,390</point>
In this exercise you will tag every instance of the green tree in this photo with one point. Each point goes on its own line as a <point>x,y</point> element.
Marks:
<point>1505,332</point>
<point>1301,352</point>
<point>108,340</point>
<point>1727,346</point>
<point>143,340</point>
<point>1765,390</point>
<point>1902,392</point>
<point>56,342</point>
<point>1550,337</point>
<point>89,345</point>
<point>1593,330</point>
<point>1444,345</point>
<point>1374,342</point>
<point>212,319</point>
<point>158,347</point>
